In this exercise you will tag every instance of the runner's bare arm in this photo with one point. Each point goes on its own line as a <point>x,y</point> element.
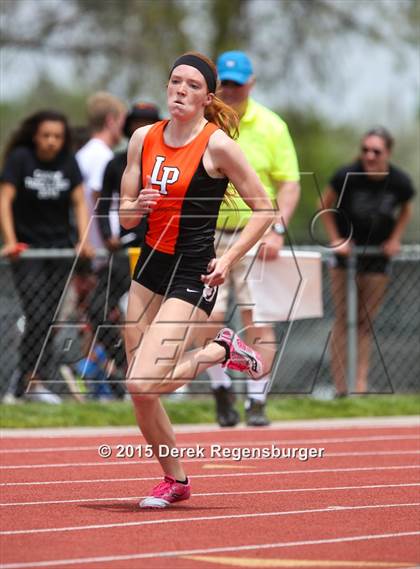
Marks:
<point>135,202</point>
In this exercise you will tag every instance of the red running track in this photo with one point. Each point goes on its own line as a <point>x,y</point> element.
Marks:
<point>356,506</point>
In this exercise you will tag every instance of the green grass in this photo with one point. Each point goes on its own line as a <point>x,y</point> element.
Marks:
<point>201,410</point>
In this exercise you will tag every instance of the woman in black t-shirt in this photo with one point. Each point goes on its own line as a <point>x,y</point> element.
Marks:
<point>366,203</point>
<point>40,185</point>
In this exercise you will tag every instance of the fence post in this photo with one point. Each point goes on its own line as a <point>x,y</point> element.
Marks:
<point>351,296</point>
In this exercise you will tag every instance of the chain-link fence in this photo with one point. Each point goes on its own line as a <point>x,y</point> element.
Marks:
<point>62,322</point>
<point>394,364</point>
<point>61,325</point>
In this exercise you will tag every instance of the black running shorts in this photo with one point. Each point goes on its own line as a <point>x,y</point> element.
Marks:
<point>365,263</point>
<point>176,276</point>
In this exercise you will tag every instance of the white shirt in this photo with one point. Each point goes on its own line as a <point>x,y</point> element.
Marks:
<point>93,158</point>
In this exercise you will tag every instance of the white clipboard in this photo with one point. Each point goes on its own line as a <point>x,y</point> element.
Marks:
<point>287,288</point>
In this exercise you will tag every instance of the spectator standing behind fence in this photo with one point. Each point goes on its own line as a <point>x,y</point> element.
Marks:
<point>106,116</point>
<point>266,142</point>
<point>40,184</point>
<point>115,238</point>
<point>373,200</point>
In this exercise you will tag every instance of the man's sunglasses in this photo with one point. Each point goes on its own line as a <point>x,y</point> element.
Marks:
<point>228,83</point>
<point>376,151</point>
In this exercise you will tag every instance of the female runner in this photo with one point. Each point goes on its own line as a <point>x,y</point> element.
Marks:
<point>183,166</point>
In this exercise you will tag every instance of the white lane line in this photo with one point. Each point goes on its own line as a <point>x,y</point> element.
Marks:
<point>241,493</point>
<point>226,549</point>
<point>283,440</point>
<point>268,473</point>
<point>206,518</point>
<point>185,552</point>
<point>129,461</point>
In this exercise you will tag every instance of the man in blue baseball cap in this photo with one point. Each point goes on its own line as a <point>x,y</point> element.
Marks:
<point>264,138</point>
<point>237,79</point>
<point>234,66</point>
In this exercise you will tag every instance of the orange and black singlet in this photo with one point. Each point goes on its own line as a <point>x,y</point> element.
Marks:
<point>185,216</point>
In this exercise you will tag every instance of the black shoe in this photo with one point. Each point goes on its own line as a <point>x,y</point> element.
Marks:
<point>342,395</point>
<point>255,414</point>
<point>226,414</point>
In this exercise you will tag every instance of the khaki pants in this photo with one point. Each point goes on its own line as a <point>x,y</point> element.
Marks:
<point>236,278</point>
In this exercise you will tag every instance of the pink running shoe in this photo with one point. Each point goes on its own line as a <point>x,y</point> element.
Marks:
<point>166,493</point>
<point>241,357</point>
